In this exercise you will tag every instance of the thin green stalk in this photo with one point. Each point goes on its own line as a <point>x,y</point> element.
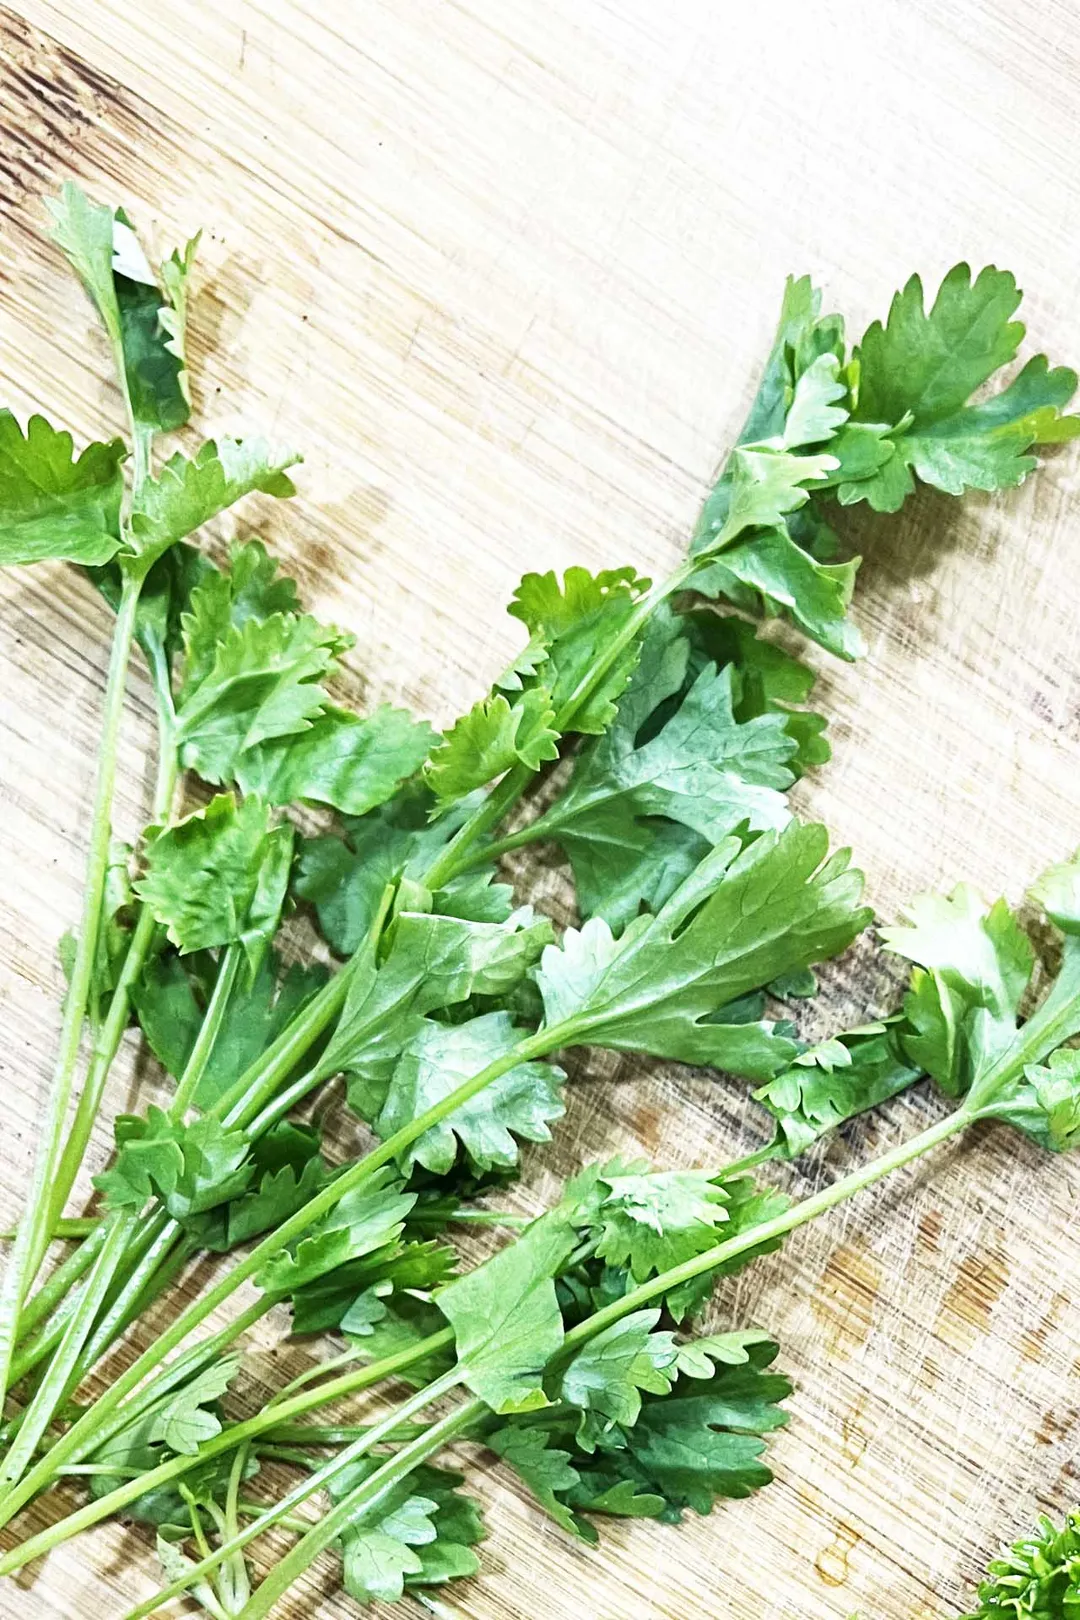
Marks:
<point>261,1078</point>
<point>285,1101</point>
<point>209,1030</point>
<point>104,1051</point>
<point>307,1487</point>
<point>253,1510</point>
<point>751,1161</point>
<point>351,1509</point>
<point>34,1228</point>
<point>270,1418</point>
<point>31,1353</point>
<point>55,1288</point>
<point>53,1387</point>
<point>166,1255</point>
<point>65,1231</point>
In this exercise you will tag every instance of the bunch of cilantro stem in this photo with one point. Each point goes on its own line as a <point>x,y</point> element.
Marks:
<point>768,481</point>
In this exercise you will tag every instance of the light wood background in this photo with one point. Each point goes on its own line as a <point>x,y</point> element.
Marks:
<point>504,269</point>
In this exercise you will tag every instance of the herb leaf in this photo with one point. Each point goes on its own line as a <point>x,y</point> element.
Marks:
<point>188,493</point>
<point>737,923</point>
<point>219,877</point>
<point>52,503</point>
<point>506,1318</point>
<point>834,1081</point>
<point>435,1061</point>
<point>919,369</point>
<point>349,761</point>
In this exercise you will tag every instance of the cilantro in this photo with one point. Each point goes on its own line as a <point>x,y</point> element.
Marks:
<point>421,1534</point>
<point>1038,1575</point>
<point>188,493</point>
<point>738,921</point>
<point>52,503</point>
<point>506,1320</point>
<point>435,1061</point>
<point>832,1082</point>
<point>219,877</point>
<point>917,373</point>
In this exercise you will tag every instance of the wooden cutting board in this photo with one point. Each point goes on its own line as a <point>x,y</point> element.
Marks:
<point>505,270</point>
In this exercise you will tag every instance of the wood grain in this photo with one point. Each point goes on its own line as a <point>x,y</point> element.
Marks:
<point>504,270</point>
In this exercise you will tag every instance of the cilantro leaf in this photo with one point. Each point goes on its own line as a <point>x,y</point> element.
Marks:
<point>606,1377</point>
<point>766,679</point>
<point>780,575</point>
<point>408,1321</point>
<point>349,761</point>
<point>287,1170</point>
<point>143,325</point>
<point>219,877</point>
<point>737,923</point>
<point>974,964</point>
<point>545,1469</point>
<point>52,503</point>
<point>696,1445</point>
<point>702,769</point>
<point>187,1418</point>
<point>834,1081</point>
<point>421,1533</point>
<point>344,877</point>
<point>435,1061</point>
<point>493,737</point>
<point>188,493</point>
<point>762,485</point>
<point>190,1167</point>
<point>653,1220</point>
<point>433,962</point>
<point>569,622</point>
<point>917,373</point>
<point>263,683</point>
<point>803,334</point>
<point>371,1290</point>
<point>366,1219</point>
<point>506,1318</point>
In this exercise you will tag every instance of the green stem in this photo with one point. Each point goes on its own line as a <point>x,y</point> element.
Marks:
<point>751,1161</point>
<point>261,1079</point>
<point>307,1487</point>
<point>272,1417</point>
<point>31,1352</point>
<point>209,1030</point>
<point>57,1285</point>
<point>65,1231</point>
<point>33,1235</point>
<point>351,1509</point>
<point>104,1051</point>
<point>159,1264</point>
<point>53,1387</point>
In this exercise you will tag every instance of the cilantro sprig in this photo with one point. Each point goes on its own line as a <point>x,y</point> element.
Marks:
<point>701,898</point>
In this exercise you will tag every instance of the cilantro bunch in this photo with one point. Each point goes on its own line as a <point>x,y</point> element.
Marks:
<point>702,899</point>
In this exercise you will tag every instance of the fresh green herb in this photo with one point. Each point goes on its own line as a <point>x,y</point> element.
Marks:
<point>701,898</point>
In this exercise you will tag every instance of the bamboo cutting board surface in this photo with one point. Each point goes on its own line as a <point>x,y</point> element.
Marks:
<point>505,270</point>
